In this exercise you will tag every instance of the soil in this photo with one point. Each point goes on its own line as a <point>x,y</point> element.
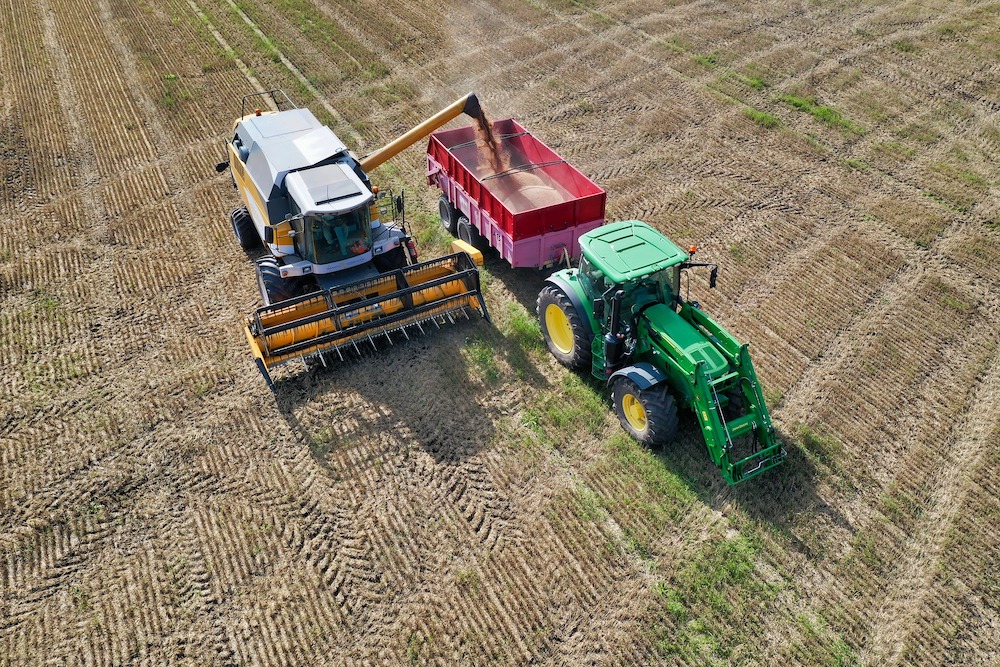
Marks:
<point>460,498</point>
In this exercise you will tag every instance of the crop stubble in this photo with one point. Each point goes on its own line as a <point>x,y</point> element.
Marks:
<point>158,506</point>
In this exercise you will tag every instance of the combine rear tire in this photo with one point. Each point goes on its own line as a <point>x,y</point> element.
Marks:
<point>648,415</point>
<point>449,215</point>
<point>244,229</point>
<point>273,288</point>
<point>562,328</point>
<point>467,232</point>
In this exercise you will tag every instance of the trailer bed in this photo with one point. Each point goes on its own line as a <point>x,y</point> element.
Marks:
<point>530,204</point>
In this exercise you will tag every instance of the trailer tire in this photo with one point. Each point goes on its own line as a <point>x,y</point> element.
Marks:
<point>449,215</point>
<point>648,415</point>
<point>243,228</point>
<point>273,288</point>
<point>562,328</point>
<point>468,233</point>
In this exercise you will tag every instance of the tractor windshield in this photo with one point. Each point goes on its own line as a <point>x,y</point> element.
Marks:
<point>334,237</point>
<point>659,287</point>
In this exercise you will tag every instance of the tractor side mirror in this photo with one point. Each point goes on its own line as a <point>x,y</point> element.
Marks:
<point>268,234</point>
<point>399,203</point>
<point>599,308</point>
<point>222,166</point>
<point>713,277</point>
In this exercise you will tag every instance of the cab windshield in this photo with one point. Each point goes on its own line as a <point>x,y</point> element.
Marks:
<point>660,287</point>
<point>334,237</point>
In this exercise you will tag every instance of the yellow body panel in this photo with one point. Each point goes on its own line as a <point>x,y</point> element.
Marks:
<point>458,245</point>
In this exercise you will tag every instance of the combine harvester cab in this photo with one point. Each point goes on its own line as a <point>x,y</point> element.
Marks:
<point>521,198</point>
<point>340,268</point>
<point>621,315</point>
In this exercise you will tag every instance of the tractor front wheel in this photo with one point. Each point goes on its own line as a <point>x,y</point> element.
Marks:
<point>273,288</point>
<point>562,328</point>
<point>649,415</point>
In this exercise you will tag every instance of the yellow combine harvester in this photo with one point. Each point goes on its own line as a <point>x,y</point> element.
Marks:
<point>337,272</point>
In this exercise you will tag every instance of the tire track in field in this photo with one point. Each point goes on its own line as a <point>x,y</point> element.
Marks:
<point>896,618</point>
<point>297,73</point>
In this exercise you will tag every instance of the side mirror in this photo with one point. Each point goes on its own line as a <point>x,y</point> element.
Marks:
<point>599,308</point>
<point>268,234</point>
<point>399,203</point>
<point>713,277</point>
<point>222,166</point>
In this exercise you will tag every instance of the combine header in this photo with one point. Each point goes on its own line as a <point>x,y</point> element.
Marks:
<point>340,267</point>
<point>315,324</point>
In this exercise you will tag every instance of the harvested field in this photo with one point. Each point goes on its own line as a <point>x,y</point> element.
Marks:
<point>462,499</point>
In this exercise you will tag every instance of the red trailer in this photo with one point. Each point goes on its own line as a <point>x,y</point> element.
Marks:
<point>527,202</point>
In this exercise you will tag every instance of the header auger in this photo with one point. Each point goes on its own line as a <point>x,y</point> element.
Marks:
<point>340,268</point>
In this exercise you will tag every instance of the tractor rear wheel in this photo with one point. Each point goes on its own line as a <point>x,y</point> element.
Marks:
<point>244,229</point>
<point>449,215</point>
<point>467,232</point>
<point>273,288</point>
<point>648,415</point>
<point>562,328</point>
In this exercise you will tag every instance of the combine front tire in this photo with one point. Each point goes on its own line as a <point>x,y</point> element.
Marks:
<point>562,328</point>
<point>449,215</point>
<point>649,415</point>
<point>273,288</point>
<point>244,229</point>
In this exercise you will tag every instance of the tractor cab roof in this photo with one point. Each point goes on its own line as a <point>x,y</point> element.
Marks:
<point>630,249</point>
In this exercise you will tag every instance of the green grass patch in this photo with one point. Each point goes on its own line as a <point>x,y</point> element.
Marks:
<point>856,165</point>
<point>762,118</point>
<point>483,357</point>
<point>904,46</point>
<point>825,114</point>
<point>710,607</point>
<point>709,62</point>
<point>895,149</point>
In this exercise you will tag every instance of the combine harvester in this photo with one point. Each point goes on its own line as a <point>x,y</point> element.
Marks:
<point>336,274</point>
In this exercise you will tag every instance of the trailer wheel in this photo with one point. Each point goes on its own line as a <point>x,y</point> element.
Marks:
<point>273,288</point>
<point>244,229</point>
<point>562,328</point>
<point>449,215</point>
<point>468,233</point>
<point>648,415</point>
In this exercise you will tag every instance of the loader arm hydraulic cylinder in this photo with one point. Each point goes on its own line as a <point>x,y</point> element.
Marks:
<point>467,105</point>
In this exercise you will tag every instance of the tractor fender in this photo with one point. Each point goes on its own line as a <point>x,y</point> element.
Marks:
<point>644,374</point>
<point>573,294</point>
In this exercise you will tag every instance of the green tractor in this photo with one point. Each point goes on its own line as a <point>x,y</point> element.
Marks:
<point>621,313</point>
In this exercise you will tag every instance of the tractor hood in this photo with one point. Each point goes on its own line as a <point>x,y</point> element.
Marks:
<point>688,340</point>
<point>630,249</point>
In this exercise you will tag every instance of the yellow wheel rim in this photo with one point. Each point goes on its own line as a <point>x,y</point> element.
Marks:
<point>558,327</point>
<point>635,414</point>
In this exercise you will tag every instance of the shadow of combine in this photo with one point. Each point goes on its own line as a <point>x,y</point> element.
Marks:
<point>435,392</point>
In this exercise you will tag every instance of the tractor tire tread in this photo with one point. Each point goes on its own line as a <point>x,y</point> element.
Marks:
<point>661,412</point>
<point>580,356</point>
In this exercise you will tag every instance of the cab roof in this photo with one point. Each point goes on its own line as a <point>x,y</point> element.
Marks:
<point>630,249</point>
